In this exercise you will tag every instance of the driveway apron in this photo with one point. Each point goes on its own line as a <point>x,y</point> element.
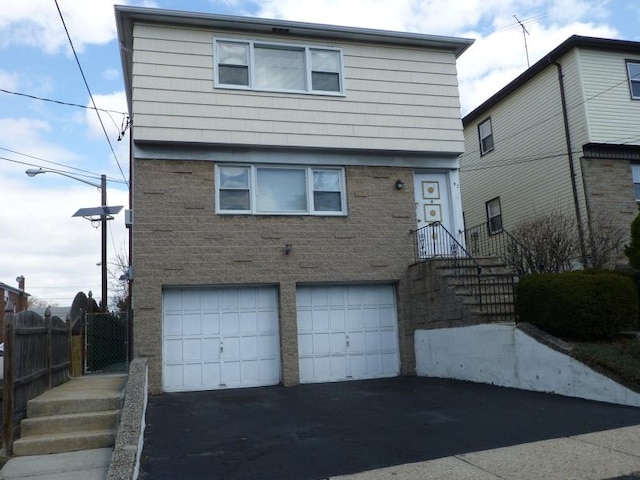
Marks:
<point>321,430</point>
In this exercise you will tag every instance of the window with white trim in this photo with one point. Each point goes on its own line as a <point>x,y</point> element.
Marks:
<point>269,66</point>
<point>280,190</point>
<point>485,134</point>
<point>635,173</point>
<point>494,216</point>
<point>633,72</point>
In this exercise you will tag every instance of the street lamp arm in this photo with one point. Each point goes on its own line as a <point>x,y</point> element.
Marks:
<point>32,172</point>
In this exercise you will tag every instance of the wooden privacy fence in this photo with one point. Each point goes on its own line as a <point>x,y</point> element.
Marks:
<point>36,359</point>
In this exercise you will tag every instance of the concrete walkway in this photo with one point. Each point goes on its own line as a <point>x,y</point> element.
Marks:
<point>81,465</point>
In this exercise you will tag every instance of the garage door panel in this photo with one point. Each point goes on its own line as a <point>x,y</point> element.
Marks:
<point>358,341</point>
<point>305,344</point>
<point>192,349</point>
<point>320,320</point>
<point>226,337</point>
<point>173,351</point>
<point>248,348</point>
<point>337,320</point>
<point>193,374</point>
<point>268,346</point>
<point>211,349</point>
<point>321,344</point>
<point>210,323</point>
<point>355,321</point>
<point>338,343</point>
<point>248,322</point>
<point>191,300</point>
<point>192,324</point>
<point>173,324</point>
<point>305,321</point>
<point>230,324</point>
<point>211,374</point>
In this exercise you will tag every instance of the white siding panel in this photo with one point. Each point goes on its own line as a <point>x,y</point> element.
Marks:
<point>612,115</point>
<point>528,168</point>
<point>396,98</point>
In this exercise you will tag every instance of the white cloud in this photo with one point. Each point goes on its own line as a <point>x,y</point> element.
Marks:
<point>8,80</point>
<point>37,23</point>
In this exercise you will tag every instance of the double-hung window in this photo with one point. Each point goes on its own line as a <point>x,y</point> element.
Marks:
<point>485,134</point>
<point>633,71</point>
<point>280,190</point>
<point>494,216</point>
<point>635,173</point>
<point>277,67</point>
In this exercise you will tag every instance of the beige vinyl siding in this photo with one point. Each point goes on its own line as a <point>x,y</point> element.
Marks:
<point>528,168</point>
<point>612,115</point>
<point>396,98</point>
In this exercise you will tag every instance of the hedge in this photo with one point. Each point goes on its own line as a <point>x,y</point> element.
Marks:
<point>581,305</point>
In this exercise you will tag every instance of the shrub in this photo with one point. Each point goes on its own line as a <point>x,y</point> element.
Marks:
<point>582,305</point>
<point>632,251</point>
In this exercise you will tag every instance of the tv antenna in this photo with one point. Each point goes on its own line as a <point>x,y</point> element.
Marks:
<point>525,32</point>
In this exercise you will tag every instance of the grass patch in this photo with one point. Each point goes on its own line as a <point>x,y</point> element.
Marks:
<point>620,359</point>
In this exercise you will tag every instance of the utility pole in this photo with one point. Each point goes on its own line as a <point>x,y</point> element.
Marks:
<point>103,218</point>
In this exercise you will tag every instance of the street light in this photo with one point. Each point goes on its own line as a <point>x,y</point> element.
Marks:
<point>103,212</point>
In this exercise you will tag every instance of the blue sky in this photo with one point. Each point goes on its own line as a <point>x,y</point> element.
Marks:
<point>58,254</point>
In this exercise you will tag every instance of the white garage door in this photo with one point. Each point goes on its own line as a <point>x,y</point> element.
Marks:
<point>347,332</point>
<point>220,337</point>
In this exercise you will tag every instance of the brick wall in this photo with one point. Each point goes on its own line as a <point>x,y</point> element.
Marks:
<point>178,240</point>
<point>609,192</point>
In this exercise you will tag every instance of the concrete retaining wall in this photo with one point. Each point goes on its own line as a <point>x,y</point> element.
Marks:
<point>502,354</point>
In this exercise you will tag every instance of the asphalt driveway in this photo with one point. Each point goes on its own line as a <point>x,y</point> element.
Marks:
<point>321,430</point>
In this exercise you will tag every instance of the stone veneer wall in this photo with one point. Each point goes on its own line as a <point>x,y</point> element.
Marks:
<point>178,240</point>
<point>609,188</point>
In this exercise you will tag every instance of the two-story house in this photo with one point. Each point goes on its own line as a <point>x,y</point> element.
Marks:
<point>18,298</point>
<point>562,137</point>
<point>278,169</point>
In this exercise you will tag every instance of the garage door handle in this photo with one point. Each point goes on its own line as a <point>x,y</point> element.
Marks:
<point>221,349</point>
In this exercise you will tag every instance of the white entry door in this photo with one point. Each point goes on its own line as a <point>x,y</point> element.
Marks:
<point>432,205</point>
<point>220,337</point>
<point>347,333</point>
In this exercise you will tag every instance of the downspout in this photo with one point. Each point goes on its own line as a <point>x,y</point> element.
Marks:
<point>574,187</point>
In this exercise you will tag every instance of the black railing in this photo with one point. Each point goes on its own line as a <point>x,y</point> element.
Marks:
<point>481,243</point>
<point>435,241</point>
<point>494,293</point>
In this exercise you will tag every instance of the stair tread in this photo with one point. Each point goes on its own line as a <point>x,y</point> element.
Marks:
<point>67,435</point>
<point>90,414</point>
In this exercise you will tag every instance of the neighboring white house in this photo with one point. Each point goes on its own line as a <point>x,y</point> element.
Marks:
<point>562,137</point>
<point>278,169</point>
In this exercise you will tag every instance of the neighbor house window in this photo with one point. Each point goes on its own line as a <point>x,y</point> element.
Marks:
<point>494,216</point>
<point>633,71</point>
<point>635,173</point>
<point>268,66</point>
<point>486,136</point>
<point>280,190</point>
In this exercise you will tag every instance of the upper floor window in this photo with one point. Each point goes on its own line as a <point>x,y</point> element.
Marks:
<point>633,71</point>
<point>494,216</point>
<point>635,173</point>
<point>268,66</point>
<point>485,133</point>
<point>280,190</point>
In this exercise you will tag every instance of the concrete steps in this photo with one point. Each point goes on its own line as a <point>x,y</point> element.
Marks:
<point>81,414</point>
<point>490,297</point>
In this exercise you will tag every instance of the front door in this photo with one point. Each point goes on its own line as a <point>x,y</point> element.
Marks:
<point>432,205</point>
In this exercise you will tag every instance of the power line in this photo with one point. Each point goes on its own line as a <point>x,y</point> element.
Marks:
<point>46,161</point>
<point>60,102</point>
<point>86,84</point>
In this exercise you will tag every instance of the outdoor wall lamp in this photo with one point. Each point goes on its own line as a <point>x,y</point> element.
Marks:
<point>399,184</point>
<point>287,249</point>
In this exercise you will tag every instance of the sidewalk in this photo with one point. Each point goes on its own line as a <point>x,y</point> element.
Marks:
<point>594,456</point>
<point>82,465</point>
